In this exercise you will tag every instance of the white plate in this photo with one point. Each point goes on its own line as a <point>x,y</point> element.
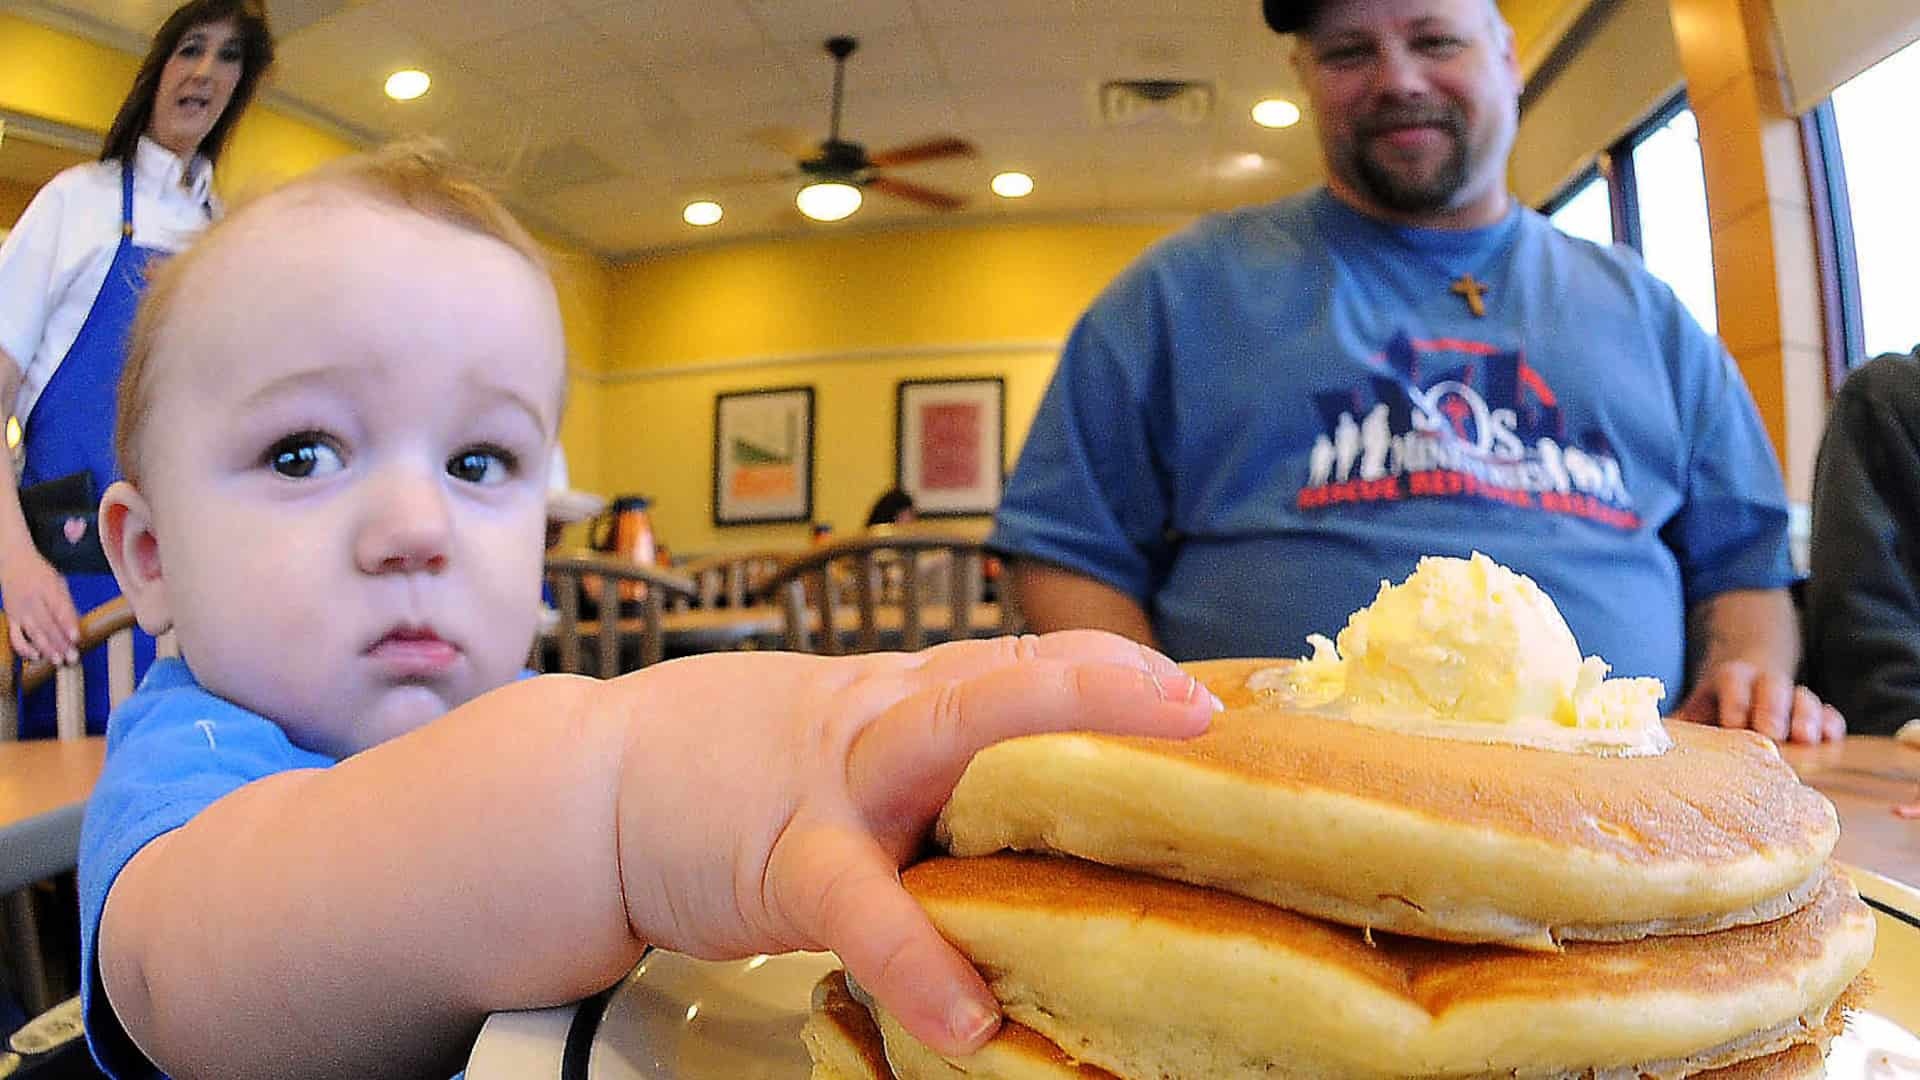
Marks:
<point>676,1018</point>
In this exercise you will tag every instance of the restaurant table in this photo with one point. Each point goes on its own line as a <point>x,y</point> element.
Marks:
<point>44,784</point>
<point>675,1017</point>
<point>1865,776</point>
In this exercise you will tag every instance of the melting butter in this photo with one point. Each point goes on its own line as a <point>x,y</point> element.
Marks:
<point>1468,649</point>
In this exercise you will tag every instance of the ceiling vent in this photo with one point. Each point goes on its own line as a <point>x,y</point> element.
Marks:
<point>563,165</point>
<point>1125,102</point>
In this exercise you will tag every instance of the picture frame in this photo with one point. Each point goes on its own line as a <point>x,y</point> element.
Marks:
<point>763,456</point>
<point>950,444</point>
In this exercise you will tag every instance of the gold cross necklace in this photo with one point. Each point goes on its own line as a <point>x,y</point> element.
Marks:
<point>1471,291</point>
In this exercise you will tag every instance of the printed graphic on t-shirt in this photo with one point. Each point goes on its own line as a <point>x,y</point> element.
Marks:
<point>1456,419</point>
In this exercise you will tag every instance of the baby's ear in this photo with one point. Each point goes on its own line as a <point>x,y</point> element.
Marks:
<point>126,531</point>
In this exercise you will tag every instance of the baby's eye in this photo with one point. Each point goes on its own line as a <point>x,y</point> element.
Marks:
<point>301,456</point>
<point>481,465</point>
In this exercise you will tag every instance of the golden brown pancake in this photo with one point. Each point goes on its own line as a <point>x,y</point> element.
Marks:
<point>849,1043</point>
<point>1149,978</point>
<point>1438,838</point>
<point>846,1039</point>
<point>840,1035</point>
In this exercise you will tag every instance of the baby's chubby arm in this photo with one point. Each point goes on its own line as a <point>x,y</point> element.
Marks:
<point>363,919</point>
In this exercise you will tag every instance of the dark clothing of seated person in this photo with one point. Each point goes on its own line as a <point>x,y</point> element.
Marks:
<point>1863,598</point>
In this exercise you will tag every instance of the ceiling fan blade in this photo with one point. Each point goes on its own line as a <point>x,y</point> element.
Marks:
<point>792,142</point>
<point>945,146</point>
<point>925,196</point>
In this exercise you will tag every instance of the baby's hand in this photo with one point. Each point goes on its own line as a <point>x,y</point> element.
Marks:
<point>772,798</point>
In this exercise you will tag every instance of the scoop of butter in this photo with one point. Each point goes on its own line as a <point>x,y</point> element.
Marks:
<point>1468,649</point>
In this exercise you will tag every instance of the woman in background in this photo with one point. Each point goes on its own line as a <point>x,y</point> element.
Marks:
<point>71,273</point>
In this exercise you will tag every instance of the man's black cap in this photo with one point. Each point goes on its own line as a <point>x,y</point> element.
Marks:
<point>1289,16</point>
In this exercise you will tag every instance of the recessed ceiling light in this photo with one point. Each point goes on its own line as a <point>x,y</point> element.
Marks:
<point>702,213</point>
<point>1276,113</point>
<point>1013,185</point>
<point>407,84</point>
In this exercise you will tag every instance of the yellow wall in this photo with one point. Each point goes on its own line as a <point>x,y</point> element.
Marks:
<point>851,315</point>
<point>13,202</point>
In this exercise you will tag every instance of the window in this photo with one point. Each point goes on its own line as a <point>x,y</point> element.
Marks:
<point>1674,236</point>
<point>1650,193</point>
<point>1587,212</point>
<point>1879,159</point>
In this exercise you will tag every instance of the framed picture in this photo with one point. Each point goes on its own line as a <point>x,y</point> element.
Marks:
<point>763,456</point>
<point>949,444</point>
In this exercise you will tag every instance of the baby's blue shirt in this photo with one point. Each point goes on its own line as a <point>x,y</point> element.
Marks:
<point>173,749</point>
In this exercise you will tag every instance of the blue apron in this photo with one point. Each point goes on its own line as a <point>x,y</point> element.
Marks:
<point>71,428</point>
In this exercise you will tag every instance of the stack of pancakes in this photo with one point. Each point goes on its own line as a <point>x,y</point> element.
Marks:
<point>1295,895</point>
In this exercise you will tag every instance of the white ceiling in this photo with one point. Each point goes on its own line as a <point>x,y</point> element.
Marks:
<point>606,116</point>
<point>603,118</point>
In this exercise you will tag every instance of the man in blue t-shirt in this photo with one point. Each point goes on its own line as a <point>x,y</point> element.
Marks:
<point>1274,410</point>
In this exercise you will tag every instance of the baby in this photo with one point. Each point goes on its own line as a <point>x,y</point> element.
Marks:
<point>341,828</point>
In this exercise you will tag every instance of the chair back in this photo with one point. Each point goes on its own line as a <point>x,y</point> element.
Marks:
<point>888,591</point>
<point>109,626</point>
<point>629,601</point>
<point>734,580</point>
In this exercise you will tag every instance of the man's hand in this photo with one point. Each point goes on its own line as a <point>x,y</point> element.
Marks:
<point>1747,642</point>
<point>1740,694</point>
<point>41,619</point>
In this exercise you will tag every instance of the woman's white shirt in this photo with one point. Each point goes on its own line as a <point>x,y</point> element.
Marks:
<point>53,263</point>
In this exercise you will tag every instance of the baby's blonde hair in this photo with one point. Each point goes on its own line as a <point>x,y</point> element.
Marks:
<point>416,175</point>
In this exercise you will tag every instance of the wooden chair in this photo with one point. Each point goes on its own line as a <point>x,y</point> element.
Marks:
<point>894,591</point>
<point>735,579</point>
<point>111,626</point>
<point>618,623</point>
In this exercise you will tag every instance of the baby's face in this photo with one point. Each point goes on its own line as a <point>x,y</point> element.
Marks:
<point>345,464</point>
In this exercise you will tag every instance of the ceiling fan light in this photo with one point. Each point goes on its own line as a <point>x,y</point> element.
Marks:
<point>1013,185</point>
<point>828,200</point>
<point>702,213</point>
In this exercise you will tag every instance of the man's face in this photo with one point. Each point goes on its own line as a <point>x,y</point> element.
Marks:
<point>1416,102</point>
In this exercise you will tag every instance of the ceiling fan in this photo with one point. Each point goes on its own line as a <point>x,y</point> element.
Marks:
<point>838,168</point>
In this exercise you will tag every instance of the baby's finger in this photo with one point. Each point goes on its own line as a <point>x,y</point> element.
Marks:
<point>904,765</point>
<point>891,949</point>
<point>965,659</point>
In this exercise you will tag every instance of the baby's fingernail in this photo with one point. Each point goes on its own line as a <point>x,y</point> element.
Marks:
<point>1218,705</point>
<point>1176,686</point>
<point>971,1022</point>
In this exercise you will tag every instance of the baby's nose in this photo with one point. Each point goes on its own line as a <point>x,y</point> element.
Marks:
<point>407,526</point>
